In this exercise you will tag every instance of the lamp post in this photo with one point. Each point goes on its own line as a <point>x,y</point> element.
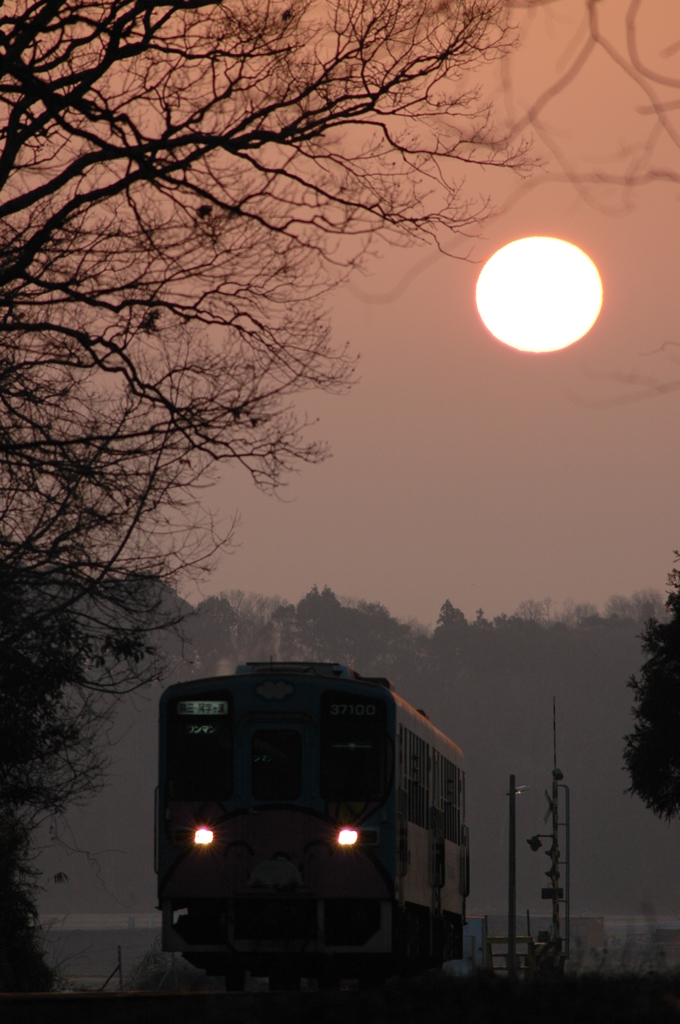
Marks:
<point>512,888</point>
<point>513,791</point>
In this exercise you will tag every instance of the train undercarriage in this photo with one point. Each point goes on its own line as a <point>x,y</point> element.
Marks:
<point>287,939</point>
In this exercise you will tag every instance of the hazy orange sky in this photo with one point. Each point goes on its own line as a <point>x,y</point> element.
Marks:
<point>462,469</point>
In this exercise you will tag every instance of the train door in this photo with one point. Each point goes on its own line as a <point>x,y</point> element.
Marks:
<point>275,761</point>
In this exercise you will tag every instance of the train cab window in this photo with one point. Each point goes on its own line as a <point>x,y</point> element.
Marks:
<point>200,747</point>
<point>276,764</point>
<point>355,751</point>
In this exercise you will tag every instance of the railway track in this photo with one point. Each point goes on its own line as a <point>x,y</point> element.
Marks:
<point>588,999</point>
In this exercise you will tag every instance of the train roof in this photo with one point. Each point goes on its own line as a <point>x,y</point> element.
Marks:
<point>421,723</point>
<point>324,669</point>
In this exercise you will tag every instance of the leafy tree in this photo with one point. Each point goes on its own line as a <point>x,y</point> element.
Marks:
<point>362,634</point>
<point>652,751</point>
<point>57,670</point>
<point>22,963</point>
<point>236,627</point>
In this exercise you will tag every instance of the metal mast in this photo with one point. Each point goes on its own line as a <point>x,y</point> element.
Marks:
<point>554,873</point>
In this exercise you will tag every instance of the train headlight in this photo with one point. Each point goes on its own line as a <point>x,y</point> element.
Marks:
<point>203,836</point>
<point>347,837</point>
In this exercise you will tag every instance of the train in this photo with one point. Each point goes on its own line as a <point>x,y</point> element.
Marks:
<point>310,823</point>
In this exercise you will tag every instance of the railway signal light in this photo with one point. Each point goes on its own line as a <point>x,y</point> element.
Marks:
<point>535,843</point>
<point>203,836</point>
<point>347,837</point>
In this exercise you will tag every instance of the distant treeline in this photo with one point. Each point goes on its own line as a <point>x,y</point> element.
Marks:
<point>236,627</point>
<point>489,684</point>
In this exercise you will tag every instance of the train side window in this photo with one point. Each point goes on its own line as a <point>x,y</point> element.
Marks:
<point>276,764</point>
<point>417,780</point>
<point>357,758</point>
<point>200,747</point>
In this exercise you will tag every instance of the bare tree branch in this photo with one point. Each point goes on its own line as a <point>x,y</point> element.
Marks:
<point>181,184</point>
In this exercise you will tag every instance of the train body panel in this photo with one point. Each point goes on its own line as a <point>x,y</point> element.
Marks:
<point>310,817</point>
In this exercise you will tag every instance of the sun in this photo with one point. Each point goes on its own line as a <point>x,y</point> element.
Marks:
<point>539,294</point>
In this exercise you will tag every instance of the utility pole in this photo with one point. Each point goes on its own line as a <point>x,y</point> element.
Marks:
<point>554,874</point>
<point>567,871</point>
<point>512,887</point>
<point>554,951</point>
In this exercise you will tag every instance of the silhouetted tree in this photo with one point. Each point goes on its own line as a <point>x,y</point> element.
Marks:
<point>22,962</point>
<point>362,634</point>
<point>652,751</point>
<point>234,627</point>
<point>180,185</point>
<point>60,669</point>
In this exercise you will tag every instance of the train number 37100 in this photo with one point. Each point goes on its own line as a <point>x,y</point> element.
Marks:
<point>353,709</point>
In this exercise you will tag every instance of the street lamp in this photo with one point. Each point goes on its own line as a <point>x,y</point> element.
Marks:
<point>513,791</point>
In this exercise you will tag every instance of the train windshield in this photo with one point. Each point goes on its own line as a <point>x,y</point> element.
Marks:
<point>200,747</point>
<point>276,764</point>
<point>354,747</point>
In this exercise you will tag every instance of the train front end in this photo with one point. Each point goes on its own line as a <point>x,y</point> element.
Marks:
<point>276,823</point>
